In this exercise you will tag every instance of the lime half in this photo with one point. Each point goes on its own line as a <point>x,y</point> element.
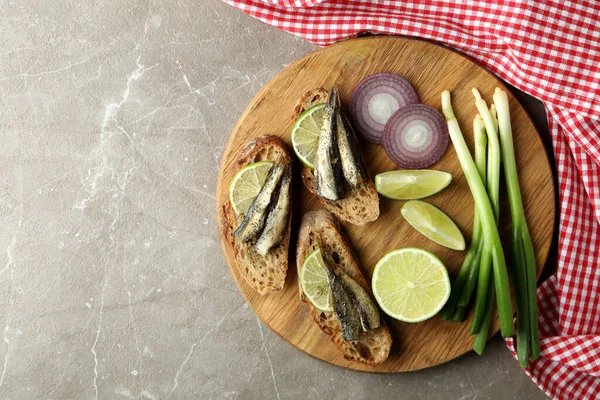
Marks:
<point>432,223</point>
<point>314,282</point>
<point>305,134</point>
<point>246,184</point>
<point>411,184</point>
<point>410,284</point>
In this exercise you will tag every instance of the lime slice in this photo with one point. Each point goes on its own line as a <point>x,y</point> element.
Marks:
<point>433,224</point>
<point>410,284</point>
<point>314,282</point>
<point>246,184</point>
<point>305,134</point>
<point>411,184</point>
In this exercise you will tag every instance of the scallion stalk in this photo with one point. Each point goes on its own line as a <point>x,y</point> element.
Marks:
<point>480,140</point>
<point>520,281</point>
<point>485,272</point>
<point>449,309</point>
<point>472,276</point>
<point>464,284</point>
<point>493,189</point>
<point>534,339</point>
<point>459,314</point>
<point>482,335</point>
<point>494,156</point>
<point>494,115</point>
<point>523,254</point>
<point>486,213</point>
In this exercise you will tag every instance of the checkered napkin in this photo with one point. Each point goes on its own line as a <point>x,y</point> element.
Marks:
<point>551,50</point>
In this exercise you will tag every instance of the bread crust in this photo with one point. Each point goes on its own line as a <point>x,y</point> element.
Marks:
<point>321,229</point>
<point>309,99</point>
<point>263,274</point>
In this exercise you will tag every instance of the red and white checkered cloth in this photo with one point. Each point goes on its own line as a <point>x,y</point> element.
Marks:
<point>551,50</point>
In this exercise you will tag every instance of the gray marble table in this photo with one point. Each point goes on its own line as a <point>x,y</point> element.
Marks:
<point>113,118</point>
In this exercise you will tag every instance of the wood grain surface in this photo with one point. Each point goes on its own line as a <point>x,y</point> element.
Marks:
<point>431,69</point>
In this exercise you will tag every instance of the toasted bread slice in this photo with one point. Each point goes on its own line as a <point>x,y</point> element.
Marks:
<point>361,204</point>
<point>320,228</point>
<point>264,274</point>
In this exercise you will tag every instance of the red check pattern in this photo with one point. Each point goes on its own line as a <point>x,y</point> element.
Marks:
<point>551,50</point>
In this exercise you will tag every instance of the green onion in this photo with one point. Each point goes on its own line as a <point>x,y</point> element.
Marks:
<point>531,293</point>
<point>459,314</point>
<point>472,276</point>
<point>480,139</point>
<point>464,284</point>
<point>480,147</point>
<point>485,269</point>
<point>448,312</point>
<point>493,189</point>
<point>495,119</point>
<point>494,115</point>
<point>493,167</point>
<point>520,280</point>
<point>482,336</point>
<point>524,264</point>
<point>486,213</point>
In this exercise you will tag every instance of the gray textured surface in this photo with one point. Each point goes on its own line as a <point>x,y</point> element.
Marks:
<point>113,119</point>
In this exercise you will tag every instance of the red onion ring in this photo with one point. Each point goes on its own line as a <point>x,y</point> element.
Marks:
<point>375,99</point>
<point>416,136</point>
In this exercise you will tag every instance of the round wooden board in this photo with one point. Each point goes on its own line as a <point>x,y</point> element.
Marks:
<point>431,69</point>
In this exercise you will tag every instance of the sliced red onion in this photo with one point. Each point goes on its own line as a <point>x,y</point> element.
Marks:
<point>375,99</point>
<point>416,136</point>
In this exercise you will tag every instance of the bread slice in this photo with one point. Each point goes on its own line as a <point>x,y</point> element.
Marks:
<point>361,204</point>
<point>321,229</point>
<point>264,274</point>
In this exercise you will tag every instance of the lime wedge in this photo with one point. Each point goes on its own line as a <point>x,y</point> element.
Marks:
<point>411,184</point>
<point>314,282</point>
<point>410,284</point>
<point>305,134</point>
<point>432,223</point>
<point>246,184</point>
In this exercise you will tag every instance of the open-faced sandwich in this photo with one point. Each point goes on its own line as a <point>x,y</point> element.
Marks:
<point>331,281</point>
<point>336,172</point>
<point>256,219</point>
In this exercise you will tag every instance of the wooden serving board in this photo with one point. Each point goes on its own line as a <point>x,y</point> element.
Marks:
<point>431,69</point>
